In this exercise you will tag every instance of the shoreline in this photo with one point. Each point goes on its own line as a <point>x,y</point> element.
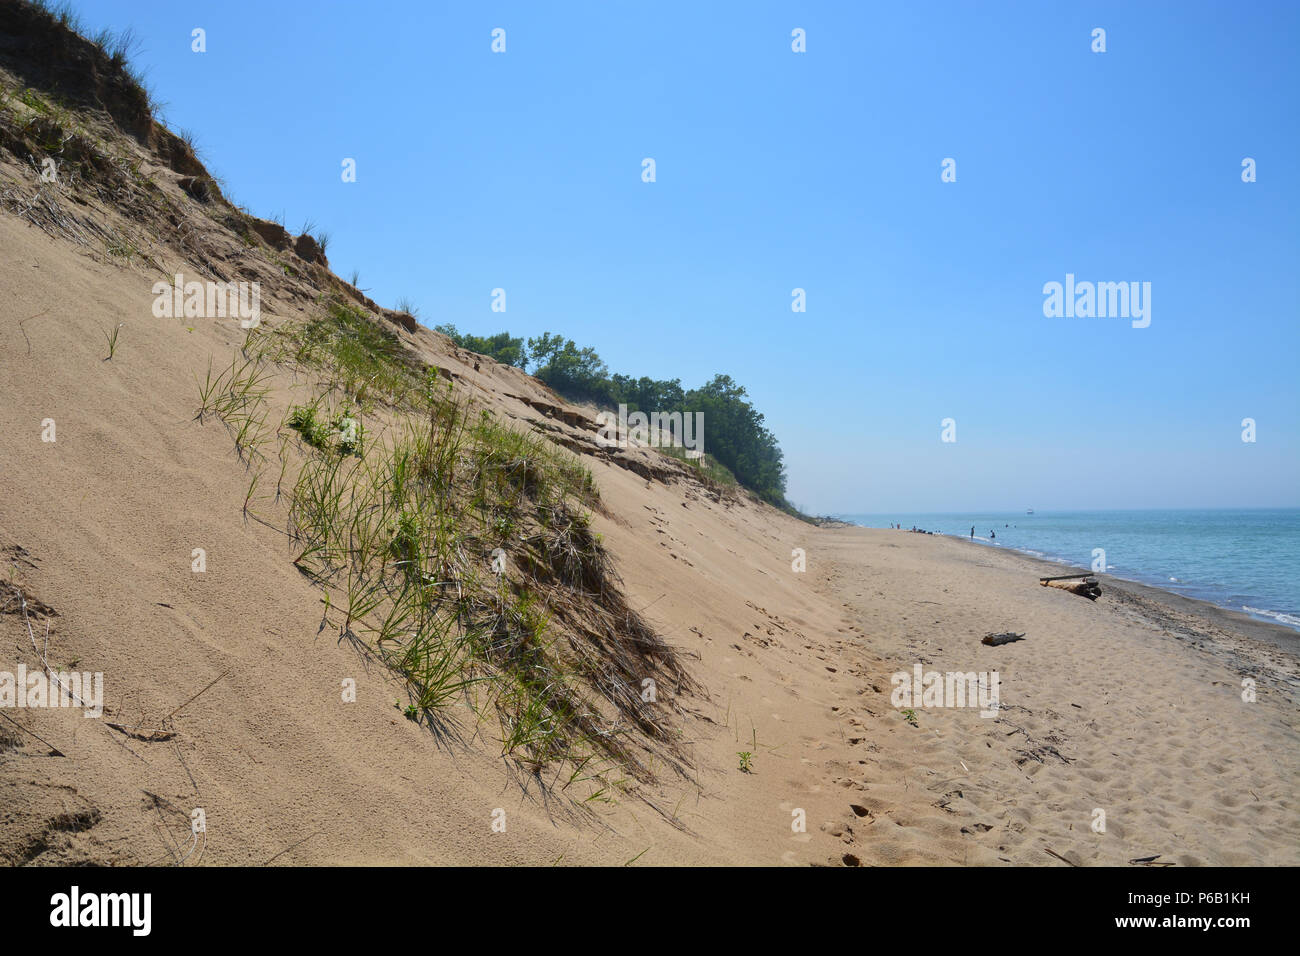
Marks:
<point>1145,587</point>
<point>1274,632</point>
<point>1143,705</point>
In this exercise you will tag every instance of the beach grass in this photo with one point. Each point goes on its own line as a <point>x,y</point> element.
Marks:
<point>455,547</point>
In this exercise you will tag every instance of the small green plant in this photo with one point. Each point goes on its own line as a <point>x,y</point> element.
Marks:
<point>405,546</point>
<point>343,434</point>
<point>112,340</point>
<point>502,527</point>
<point>121,246</point>
<point>227,394</point>
<point>909,715</point>
<point>302,419</point>
<point>33,102</point>
<point>746,761</point>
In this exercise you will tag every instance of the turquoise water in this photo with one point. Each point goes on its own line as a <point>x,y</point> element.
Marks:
<point>1246,560</point>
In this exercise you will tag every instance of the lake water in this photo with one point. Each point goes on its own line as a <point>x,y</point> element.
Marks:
<point>1246,560</point>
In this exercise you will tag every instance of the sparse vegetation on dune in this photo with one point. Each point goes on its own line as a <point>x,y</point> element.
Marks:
<point>706,466</point>
<point>356,356</point>
<point>453,547</point>
<point>116,47</point>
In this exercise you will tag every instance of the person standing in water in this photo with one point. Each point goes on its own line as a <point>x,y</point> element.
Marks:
<point>972,531</point>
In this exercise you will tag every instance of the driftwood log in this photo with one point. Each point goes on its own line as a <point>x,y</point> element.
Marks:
<point>1082,584</point>
<point>997,640</point>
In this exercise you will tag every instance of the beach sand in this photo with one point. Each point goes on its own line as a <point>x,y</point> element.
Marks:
<point>226,689</point>
<point>1131,705</point>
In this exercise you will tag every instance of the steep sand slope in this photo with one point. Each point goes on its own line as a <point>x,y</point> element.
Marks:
<point>107,517</point>
<point>109,514</point>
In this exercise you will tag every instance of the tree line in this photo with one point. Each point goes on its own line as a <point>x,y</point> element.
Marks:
<point>734,433</point>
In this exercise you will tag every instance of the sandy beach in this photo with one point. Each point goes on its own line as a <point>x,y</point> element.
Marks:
<point>1131,705</point>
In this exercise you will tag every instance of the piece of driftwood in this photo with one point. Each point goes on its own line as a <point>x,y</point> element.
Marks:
<point>997,640</point>
<point>1087,587</point>
<point>136,733</point>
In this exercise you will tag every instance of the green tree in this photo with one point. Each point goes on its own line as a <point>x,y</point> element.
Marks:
<point>505,348</point>
<point>571,371</point>
<point>733,430</point>
<point>735,435</point>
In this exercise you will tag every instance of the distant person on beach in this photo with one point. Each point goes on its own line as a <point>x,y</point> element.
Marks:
<point>972,531</point>
<point>992,533</point>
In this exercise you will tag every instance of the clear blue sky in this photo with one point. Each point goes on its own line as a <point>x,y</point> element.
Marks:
<point>819,170</point>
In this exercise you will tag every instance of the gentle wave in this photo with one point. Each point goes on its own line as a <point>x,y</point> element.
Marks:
<point>1290,620</point>
<point>1239,559</point>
